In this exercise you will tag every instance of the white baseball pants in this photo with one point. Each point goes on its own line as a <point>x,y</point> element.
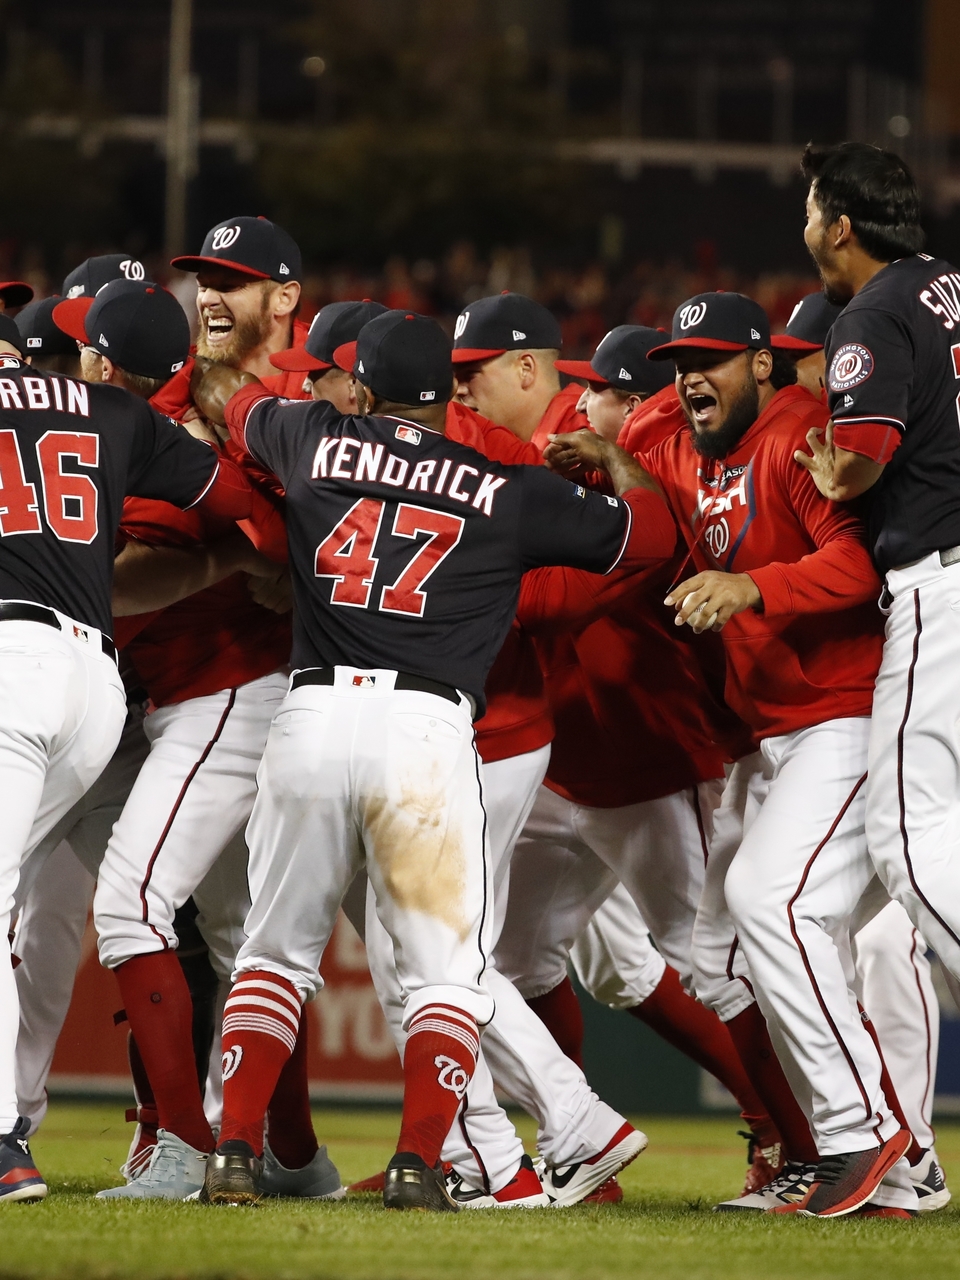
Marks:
<point>791,885</point>
<point>614,957</point>
<point>191,799</point>
<point>895,987</point>
<point>62,708</point>
<point>913,791</point>
<point>368,774</point>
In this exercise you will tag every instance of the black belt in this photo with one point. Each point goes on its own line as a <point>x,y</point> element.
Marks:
<point>949,556</point>
<point>420,684</point>
<point>17,611</point>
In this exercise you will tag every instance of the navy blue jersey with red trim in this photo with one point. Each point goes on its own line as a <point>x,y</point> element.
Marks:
<point>407,548</point>
<point>893,380</point>
<point>70,452</point>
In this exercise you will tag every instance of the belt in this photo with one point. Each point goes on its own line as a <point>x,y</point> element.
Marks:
<point>420,684</point>
<point>15,611</point>
<point>950,556</point>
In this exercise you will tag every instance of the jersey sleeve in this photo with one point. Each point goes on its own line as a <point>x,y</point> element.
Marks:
<point>870,371</point>
<point>272,431</point>
<point>564,523</point>
<point>166,462</point>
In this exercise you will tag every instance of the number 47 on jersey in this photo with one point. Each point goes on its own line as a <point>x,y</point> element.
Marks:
<point>347,555</point>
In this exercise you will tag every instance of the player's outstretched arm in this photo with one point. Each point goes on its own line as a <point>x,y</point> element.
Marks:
<point>578,452</point>
<point>839,474</point>
<point>213,384</point>
<point>147,578</point>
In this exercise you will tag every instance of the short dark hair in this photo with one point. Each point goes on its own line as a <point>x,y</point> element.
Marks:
<point>876,191</point>
<point>784,371</point>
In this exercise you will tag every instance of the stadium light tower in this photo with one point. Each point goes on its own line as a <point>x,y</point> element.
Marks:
<point>182,141</point>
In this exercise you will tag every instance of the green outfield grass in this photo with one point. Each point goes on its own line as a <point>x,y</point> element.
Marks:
<point>664,1228</point>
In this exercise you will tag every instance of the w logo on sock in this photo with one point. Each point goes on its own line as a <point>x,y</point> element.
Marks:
<point>452,1076</point>
<point>232,1058</point>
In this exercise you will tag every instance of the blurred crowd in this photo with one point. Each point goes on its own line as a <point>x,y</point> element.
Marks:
<point>588,299</point>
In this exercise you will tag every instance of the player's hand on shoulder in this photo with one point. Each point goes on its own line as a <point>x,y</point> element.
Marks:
<point>708,601</point>
<point>212,384</point>
<point>575,453</point>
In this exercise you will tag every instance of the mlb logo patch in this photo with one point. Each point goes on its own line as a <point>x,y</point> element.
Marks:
<point>409,434</point>
<point>80,633</point>
<point>364,682</point>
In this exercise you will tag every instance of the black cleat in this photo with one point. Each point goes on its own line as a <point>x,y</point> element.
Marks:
<point>232,1176</point>
<point>411,1184</point>
<point>20,1180</point>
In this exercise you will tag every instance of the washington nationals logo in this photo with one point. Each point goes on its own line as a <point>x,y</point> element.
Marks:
<point>224,237</point>
<point>132,269</point>
<point>851,365</point>
<point>460,327</point>
<point>451,1076</point>
<point>232,1058</point>
<point>692,314</point>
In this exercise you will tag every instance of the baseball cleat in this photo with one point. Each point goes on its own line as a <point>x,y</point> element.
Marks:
<point>846,1181</point>
<point>571,1183</point>
<point>233,1175</point>
<point>609,1192</point>
<point>368,1186</point>
<point>884,1211</point>
<point>929,1182</point>
<point>174,1171</point>
<point>410,1183</point>
<point>20,1179</point>
<point>523,1191</point>
<point>318,1180</point>
<point>788,1188</point>
<point>763,1163</point>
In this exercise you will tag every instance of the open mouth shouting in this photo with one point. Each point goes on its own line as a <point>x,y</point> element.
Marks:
<point>219,325</point>
<point>703,408</point>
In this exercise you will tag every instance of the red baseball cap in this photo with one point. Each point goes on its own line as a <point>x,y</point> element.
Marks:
<point>717,322</point>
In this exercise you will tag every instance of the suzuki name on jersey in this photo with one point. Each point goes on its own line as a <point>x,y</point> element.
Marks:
<point>343,458</point>
<point>942,297</point>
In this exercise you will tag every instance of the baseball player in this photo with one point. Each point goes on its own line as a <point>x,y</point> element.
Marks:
<point>86,280</point>
<point>804,338</point>
<point>47,346</point>
<point>399,754</point>
<point>71,452</point>
<point>333,326</point>
<point>791,590</point>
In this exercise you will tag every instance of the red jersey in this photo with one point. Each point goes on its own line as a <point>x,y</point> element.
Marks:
<point>812,654</point>
<point>561,416</point>
<point>652,420</point>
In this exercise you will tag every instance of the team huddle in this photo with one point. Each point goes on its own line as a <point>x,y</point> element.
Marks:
<point>647,665</point>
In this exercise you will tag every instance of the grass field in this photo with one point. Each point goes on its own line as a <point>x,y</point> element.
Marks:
<point>664,1228</point>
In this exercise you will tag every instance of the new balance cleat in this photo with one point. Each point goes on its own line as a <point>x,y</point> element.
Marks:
<point>410,1183</point>
<point>929,1182</point>
<point>788,1188</point>
<point>233,1175</point>
<point>173,1171</point>
<point>609,1192</point>
<point>848,1180</point>
<point>318,1180</point>
<point>570,1184</point>
<point>20,1179</point>
<point>523,1191</point>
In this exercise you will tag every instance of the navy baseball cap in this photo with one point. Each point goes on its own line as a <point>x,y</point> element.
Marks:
<point>255,246</point>
<point>621,361</point>
<point>717,322</point>
<point>41,335</point>
<point>505,322</point>
<point>810,322</point>
<point>139,325</point>
<point>15,293</point>
<point>401,357</point>
<point>88,279</point>
<point>10,333</point>
<point>334,325</point>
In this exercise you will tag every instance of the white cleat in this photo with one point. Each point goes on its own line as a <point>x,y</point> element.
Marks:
<point>174,1172</point>
<point>929,1182</point>
<point>569,1184</point>
<point>788,1187</point>
<point>523,1191</point>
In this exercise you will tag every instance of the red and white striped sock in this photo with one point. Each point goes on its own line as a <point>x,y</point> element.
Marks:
<point>438,1063</point>
<point>260,1023</point>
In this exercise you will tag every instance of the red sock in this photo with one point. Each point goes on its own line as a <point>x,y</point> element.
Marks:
<point>260,1023</point>
<point>914,1151</point>
<point>159,1010</point>
<point>752,1039</point>
<point>438,1062</point>
<point>559,1011</point>
<point>697,1031</point>
<point>145,1112</point>
<point>289,1122</point>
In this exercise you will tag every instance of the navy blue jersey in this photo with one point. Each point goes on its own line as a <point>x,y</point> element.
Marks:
<point>893,358</point>
<point>70,452</point>
<point>407,548</point>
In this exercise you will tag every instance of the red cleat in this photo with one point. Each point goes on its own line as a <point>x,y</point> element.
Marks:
<point>369,1186</point>
<point>884,1211</point>
<point>610,1192</point>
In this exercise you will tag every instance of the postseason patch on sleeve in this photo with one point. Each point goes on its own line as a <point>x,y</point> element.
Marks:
<point>851,364</point>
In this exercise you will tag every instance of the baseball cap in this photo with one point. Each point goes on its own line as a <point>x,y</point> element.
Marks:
<point>255,246</point>
<point>10,333</point>
<point>41,335</point>
<point>808,326</point>
<point>15,293</point>
<point>621,361</point>
<point>137,323</point>
<point>718,322</point>
<point>401,357</point>
<point>332,326</point>
<point>89,278</point>
<point>505,322</point>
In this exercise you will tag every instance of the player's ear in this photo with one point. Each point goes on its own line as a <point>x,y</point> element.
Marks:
<point>631,403</point>
<point>365,398</point>
<point>527,369</point>
<point>841,233</point>
<point>286,299</point>
<point>762,365</point>
<point>109,371</point>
